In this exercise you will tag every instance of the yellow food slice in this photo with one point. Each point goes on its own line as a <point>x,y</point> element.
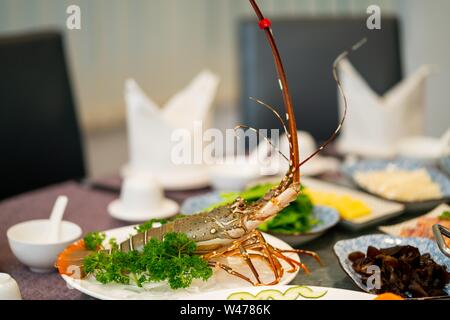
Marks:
<point>348,207</point>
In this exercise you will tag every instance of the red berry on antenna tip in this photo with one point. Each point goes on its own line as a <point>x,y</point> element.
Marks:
<point>264,23</point>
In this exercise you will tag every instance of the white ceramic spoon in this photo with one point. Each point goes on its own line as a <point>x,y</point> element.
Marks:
<point>56,217</point>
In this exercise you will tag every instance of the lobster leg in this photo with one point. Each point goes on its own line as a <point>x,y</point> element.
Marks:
<point>260,255</point>
<point>230,271</point>
<point>277,269</point>
<point>305,252</point>
<point>249,262</point>
<point>254,245</point>
<point>293,263</point>
<point>278,272</point>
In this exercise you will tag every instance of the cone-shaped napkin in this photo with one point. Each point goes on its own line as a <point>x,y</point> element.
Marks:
<point>150,130</point>
<point>375,124</point>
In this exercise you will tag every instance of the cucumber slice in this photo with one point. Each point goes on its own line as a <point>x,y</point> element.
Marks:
<point>241,296</point>
<point>270,294</point>
<point>305,292</point>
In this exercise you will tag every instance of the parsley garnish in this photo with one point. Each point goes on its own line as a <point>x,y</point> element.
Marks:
<point>445,215</point>
<point>171,259</point>
<point>94,240</point>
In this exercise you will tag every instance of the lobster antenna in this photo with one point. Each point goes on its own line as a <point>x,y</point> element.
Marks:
<point>243,126</point>
<point>294,161</point>
<point>275,112</point>
<point>338,60</point>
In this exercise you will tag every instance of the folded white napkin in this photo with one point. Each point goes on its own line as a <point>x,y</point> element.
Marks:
<point>150,129</point>
<point>375,124</point>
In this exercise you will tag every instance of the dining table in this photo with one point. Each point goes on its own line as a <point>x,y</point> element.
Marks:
<point>87,207</point>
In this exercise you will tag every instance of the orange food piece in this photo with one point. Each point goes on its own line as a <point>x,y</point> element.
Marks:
<point>388,296</point>
<point>424,228</point>
<point>69,256</point>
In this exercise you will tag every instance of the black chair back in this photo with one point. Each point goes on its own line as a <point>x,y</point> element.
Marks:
<point>40,139</point>
<point>308,48</point>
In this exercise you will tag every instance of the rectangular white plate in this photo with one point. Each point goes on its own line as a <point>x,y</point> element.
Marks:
<point>395,229</point>
<point>381,209</point>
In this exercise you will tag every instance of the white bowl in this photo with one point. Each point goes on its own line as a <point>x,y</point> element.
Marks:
<point>30,243</point>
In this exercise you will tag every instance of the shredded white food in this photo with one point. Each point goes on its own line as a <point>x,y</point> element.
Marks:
<point>401,185</point>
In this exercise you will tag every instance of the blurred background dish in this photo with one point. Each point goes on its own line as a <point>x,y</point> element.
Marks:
<point>428,150</point>
<point>422,225</point>
<point>196,204</point>
<point>141,199</point>
<point>401,174</point>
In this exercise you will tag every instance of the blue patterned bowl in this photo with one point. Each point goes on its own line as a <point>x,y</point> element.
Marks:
<point>196,204</point>
<point>327,217</point>
<point>344,247</point>
<point>438,177</point>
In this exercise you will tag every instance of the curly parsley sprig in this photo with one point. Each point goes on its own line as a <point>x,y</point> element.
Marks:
<point>445,215</point>
<point>172,259</point>
<point>94,240</point>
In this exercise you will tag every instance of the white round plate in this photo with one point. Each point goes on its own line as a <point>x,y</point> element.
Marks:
<point>168,209</point>
<point>220,280</point>
<point>185,180</point>
<point>329,293</point>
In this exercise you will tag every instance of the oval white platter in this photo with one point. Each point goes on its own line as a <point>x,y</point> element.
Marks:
<point>220,280</point>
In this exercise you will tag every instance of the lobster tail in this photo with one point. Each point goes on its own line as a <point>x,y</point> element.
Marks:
<point>70,261</point>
